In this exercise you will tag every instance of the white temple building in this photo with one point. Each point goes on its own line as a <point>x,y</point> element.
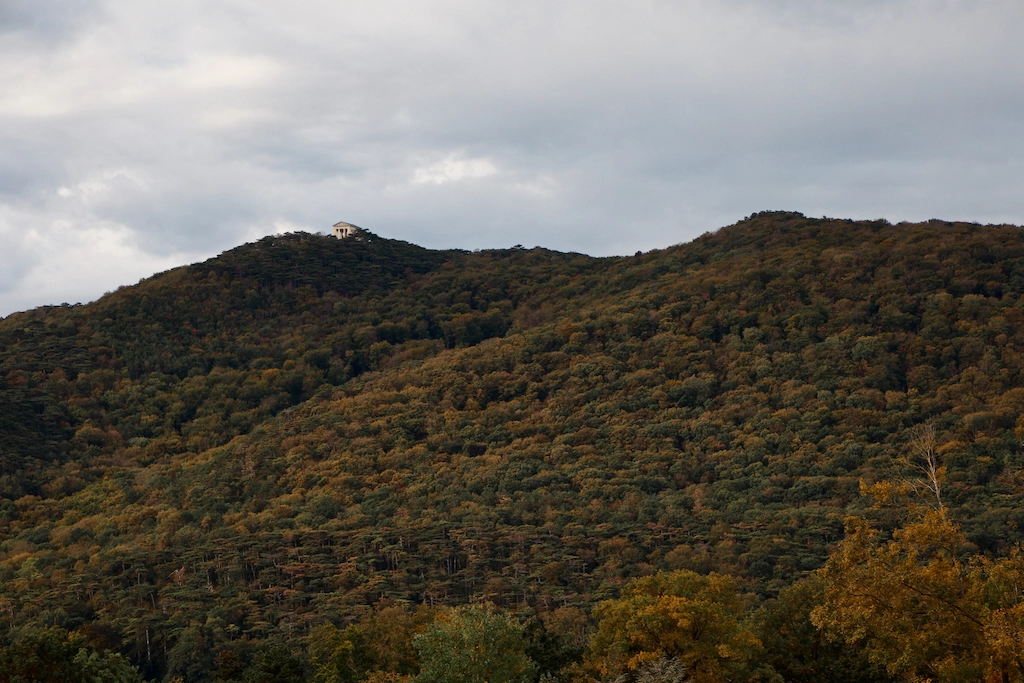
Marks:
<point>343,230</point>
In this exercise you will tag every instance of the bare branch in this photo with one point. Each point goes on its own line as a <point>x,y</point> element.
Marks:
<point>925,459</point>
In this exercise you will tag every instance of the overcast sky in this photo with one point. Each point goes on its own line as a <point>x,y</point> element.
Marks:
<point>137,136</point>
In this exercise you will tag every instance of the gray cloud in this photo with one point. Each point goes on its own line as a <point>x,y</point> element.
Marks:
<point>48,22</point>
<point>135,136</point>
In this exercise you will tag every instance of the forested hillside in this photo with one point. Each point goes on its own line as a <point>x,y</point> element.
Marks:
<point>306,432</point>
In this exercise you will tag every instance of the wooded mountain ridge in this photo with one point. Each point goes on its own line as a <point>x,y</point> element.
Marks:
<point>307,430</point>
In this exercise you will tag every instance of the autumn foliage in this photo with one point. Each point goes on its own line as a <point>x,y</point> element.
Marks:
<point>305,434</point>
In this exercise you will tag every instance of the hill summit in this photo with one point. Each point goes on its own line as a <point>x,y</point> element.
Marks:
<point>304,427</point>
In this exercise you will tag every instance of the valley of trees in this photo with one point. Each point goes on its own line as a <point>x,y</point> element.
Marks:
<point>790,450</point>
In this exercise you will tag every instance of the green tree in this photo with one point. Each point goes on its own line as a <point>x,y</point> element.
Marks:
<point>551,651</point>
<point>190,658</point>
<point>44,656</point>
<point>104,667</point>
<point>473,644</point>
<point>275,663</point>
<point>338,656</point>
<point>380,642</point>
<point>52,655</point>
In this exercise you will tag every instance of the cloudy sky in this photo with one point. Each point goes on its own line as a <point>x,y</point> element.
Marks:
<point>137,136</point>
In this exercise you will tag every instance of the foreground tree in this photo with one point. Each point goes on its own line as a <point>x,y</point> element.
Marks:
<point>380,645</point>
<point>473,644</point>
<point>275,663</point>
<point>53,655</point>
<point>683,615</point>
<point>922,605</point>
<point>799,651</point>
<point>338,656</point>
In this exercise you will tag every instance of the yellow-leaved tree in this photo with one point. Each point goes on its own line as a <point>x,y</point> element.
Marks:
<point>921,602</point>
<point>678,615</point>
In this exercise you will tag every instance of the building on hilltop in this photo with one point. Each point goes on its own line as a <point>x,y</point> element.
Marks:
<point>343,230</point>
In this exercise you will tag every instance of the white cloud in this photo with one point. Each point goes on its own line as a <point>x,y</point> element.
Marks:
<point>99,185</point>
<point>66,262</point>
<point>453,168</point>
<point>228,72</point>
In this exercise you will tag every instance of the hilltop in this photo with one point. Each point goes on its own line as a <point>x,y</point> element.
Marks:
<point>303,427</point>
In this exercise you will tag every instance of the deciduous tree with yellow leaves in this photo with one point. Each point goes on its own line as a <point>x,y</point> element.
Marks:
<point>922,602</point>
<point>681,614</point>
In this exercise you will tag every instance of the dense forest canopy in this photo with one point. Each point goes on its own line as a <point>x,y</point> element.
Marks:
<point>304,431</point>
